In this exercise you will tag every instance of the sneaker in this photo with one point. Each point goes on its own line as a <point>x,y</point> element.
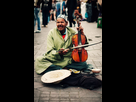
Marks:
<point>38,31</point>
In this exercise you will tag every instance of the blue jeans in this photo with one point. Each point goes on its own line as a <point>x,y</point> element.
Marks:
<point>37,18</point>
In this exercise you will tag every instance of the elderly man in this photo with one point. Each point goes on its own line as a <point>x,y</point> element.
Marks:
<point>59,38</point>
<point>57,57</point>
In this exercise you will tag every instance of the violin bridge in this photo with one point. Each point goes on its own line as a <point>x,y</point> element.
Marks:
<point>79,49</point>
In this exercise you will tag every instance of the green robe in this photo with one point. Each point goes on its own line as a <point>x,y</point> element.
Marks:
<point>54,43</point>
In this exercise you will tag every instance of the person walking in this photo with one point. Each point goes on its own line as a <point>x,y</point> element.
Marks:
<point>94,11</point>
<point>57,9</point>
<point>83,9</point>
<point>64,7</point>
<point>99,8</point>
<point>36,15</point>
<point>71,5</point>
<point>89,10</point>
<point>45,9</point>
<point>79,5</point>
<point>53,11</point>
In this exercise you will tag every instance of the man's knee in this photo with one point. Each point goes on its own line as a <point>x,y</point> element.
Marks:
<point>39,58</point>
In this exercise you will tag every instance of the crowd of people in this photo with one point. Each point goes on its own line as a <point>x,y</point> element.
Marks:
<point>52,8</point>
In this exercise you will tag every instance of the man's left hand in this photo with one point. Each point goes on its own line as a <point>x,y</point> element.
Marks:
<point>80,28</point>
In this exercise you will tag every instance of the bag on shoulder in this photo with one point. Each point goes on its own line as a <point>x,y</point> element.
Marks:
<point>86,15</point>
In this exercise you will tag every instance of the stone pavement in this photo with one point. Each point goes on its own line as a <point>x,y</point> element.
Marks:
<point>54,93</point>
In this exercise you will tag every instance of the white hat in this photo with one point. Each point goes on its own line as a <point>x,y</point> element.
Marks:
<point>62,16</point>
<point>55,76</point>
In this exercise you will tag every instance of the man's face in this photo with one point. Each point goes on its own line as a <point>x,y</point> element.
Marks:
<point>61,24</point>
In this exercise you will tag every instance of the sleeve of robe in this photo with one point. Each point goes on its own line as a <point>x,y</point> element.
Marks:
<point>51,50</point>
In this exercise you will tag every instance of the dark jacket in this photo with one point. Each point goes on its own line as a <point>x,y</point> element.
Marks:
<point>71,4</point>
<point>46,5</point>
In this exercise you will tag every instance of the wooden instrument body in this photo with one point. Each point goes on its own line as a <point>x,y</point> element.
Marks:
<point>79,55</point>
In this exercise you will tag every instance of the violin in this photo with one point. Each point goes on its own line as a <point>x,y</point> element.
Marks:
<point>79,54</point>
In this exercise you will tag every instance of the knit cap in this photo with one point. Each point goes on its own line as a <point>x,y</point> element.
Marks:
<point>62,16</point>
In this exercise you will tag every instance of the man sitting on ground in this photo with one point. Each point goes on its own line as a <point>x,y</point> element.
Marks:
<point>57,56</point>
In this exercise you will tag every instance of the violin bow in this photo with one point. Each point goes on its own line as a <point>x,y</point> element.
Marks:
<point>80,46</point>
<point>85,45</point>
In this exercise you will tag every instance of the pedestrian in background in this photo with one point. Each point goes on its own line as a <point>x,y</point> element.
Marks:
<point>36,15</point>
<point>53,11</point>
<point>94,11</point>
<point>99,8</point>
<point>45,9</point>
<point>64,7</point>
<point>71,5</point>
<point>57,8</point>
<point>79,5</point>
<point>83,9</point>
<point>89,10</point>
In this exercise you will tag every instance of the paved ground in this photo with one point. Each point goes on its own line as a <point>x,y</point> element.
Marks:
<point>54,93</point>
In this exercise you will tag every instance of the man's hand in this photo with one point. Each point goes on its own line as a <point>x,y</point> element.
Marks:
<point>80,28</point>
<point>77,14</point>
<point>63,51</point>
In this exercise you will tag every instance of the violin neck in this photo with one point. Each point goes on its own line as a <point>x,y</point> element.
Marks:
<point>79,36</point>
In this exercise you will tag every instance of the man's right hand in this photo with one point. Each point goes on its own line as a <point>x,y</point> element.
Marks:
<point>63,51</point>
